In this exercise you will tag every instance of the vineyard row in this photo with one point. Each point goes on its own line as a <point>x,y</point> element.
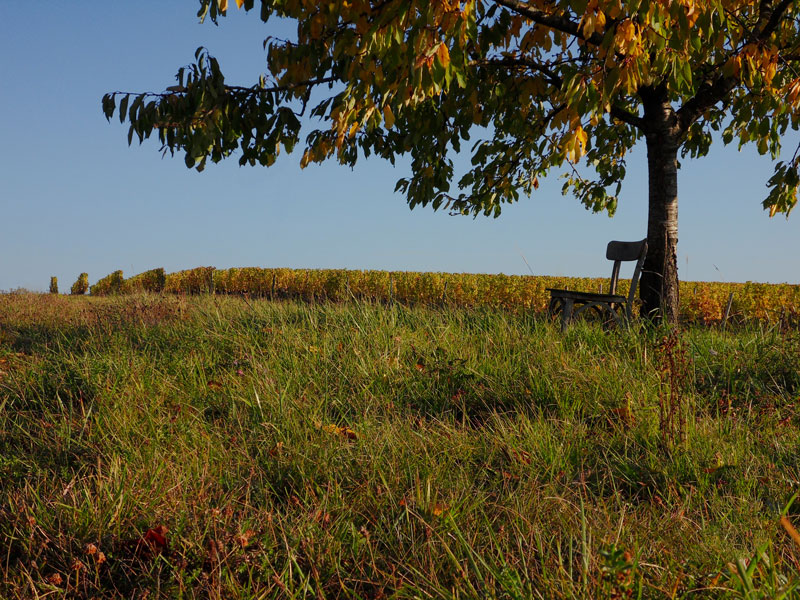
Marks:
<point>703,302</point>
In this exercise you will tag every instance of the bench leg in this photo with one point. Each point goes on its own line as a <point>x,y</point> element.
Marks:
<point>566,313</point>
<point>554,306</point>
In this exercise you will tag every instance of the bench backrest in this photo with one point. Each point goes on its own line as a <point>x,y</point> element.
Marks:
<point>626,251</point>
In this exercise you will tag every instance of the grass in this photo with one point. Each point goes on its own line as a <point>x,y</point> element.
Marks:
<point>211,447</point>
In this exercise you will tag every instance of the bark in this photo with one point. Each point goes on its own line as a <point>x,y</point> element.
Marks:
<point>659,281</point>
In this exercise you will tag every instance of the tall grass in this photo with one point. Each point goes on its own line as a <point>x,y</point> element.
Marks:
<point>216,447</point>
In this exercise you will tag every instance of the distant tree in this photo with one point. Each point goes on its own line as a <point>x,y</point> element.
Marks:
<point>54,285</point>
<point>542,85</point>
<point>81,285</point>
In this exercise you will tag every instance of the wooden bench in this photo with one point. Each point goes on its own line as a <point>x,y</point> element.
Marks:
<point>609,306</point>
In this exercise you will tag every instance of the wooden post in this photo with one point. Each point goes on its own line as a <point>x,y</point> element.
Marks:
<point>727,311</point>
<point>272,291</point>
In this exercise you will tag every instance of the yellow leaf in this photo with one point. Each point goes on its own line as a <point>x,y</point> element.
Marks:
<point>239,3</point>
<point>344,431</point>
<point>581,139</point>
<point>444,54</point>
<point>306,159</point>
<point>588,26</point>
<point>388,116</point>
<point>794,92</point>
<point>600,21</point>
<point>626,33</point>
<point>353,129</point>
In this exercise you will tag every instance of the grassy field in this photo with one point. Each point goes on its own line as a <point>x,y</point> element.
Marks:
<point>213,447</point>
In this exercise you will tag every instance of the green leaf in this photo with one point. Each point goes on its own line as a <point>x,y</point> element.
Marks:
<point>123,108</point>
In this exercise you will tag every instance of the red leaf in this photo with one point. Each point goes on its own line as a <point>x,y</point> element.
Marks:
<point>153,542</point>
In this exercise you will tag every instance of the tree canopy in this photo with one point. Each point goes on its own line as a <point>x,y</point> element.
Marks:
<point>524,87</point>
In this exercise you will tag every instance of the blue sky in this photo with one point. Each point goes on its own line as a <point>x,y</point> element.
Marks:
<point>74,197</point>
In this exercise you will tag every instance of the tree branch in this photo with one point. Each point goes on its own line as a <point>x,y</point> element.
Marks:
<point>627,117</point>
<point>773,17</point>
<point>706,97</point>
<point>558,22</point>
<point>714,91</point>
<point>173,90</point>
<point>551,75</point>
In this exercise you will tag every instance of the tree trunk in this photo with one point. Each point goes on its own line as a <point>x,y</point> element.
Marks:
<point>659,281</point>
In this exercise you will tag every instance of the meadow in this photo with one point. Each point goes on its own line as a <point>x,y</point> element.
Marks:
<point>220,446</point>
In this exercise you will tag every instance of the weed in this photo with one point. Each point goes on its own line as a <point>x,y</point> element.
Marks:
<point>673,403</point>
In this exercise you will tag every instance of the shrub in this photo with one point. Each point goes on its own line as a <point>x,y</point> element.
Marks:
<point>192,281</point>
<point>149,281</point>
<point>54,285</point>
<point>110,284</point>
<point>81,286</point>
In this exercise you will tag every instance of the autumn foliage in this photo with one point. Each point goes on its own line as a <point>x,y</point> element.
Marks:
<point>526,88</point>
<point>81,285</point>
<point>702,302</point>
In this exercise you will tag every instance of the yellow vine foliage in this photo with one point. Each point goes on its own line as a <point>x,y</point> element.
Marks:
<point>701,302</point>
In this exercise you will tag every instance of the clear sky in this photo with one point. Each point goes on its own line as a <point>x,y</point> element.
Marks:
<point>74,197</point>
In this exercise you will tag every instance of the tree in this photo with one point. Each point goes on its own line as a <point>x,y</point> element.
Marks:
<point>542,84</point>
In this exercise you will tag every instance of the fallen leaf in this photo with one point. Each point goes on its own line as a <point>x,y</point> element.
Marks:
<point>348,433</point>
<point>323,518</point>
<point>342,431</point>
<point>439,508</point>
<point>520,456</point>
<point>154,541</point>
<point>623,414</point>
<point>244,538</point>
